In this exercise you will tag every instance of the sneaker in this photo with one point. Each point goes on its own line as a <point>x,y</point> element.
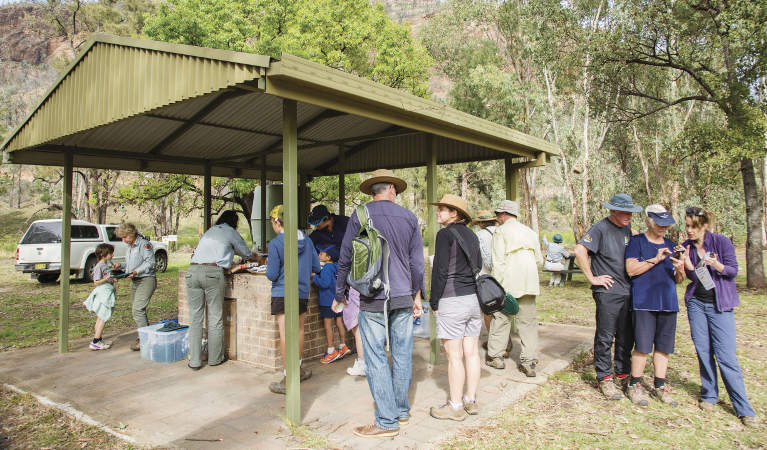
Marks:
<point>372,430</point>
<point>403,421</point>
<point>527,369</point>
<point>358,369</point>
<point>330,357</point>
<point>663,394</point>
<point>749,421</point>
<point>637,394</point>
<point>343,351</point>
<point>609,389</point>
<point>278,387</point>
<point>306,373</point>
<point>496,363</point>
<point>446,412</point>
<point>136,346</point>
<point>99,345</point>
<point>706,406</point>
<point>471,408</point>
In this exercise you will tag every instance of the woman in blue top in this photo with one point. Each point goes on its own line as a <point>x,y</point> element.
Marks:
<point>654,276</point>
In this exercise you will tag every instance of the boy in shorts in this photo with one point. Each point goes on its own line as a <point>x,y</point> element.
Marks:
<point>308,263</point>
<point>326,286</point>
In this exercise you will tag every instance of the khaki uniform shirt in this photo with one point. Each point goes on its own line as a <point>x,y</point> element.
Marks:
<point>516,255</point>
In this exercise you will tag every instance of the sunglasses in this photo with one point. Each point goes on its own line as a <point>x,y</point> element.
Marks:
<point>694,211</point>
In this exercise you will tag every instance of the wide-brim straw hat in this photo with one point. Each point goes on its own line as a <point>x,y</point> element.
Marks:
<point>383,176</point>
<point>484,216</point>
<point>455,202</point>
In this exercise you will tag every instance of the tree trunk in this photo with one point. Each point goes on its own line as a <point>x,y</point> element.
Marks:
<point>754,263</point>
<point>764,201</point>
<point>643,162</point>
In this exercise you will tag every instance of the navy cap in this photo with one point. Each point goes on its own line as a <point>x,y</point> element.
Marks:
<point>662,219</point>
<point>332,251</point>
<point>319,213</point>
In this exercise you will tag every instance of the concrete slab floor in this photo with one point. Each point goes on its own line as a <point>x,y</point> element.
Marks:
<point>168,404</point>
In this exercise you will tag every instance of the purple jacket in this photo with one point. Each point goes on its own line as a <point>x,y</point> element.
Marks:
<point>724,283</point>
<point>406,264</point>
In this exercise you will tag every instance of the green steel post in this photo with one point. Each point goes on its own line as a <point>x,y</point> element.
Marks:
<point>263,204</point>
<point>290,202</point>
<point>66,242</point>
<point>206,197</point>
<point>341,180</point>
<point>512,179</point>
<point>431,220</point>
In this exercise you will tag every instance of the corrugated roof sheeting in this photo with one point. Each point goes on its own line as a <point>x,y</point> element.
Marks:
<point>344,126</point>
<point>112,82</point>
<point>213,143</point>
<point>137,134</point>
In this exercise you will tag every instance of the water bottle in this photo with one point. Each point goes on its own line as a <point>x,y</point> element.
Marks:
<point>417,321</point>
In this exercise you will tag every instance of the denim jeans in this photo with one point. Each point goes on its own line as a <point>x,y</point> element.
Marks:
<point>388,385</point>
<point>713,333</point>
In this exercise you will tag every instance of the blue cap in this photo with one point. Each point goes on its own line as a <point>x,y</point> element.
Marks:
<point>622,202</point>
<point>318,214</point>
<point>332,251</point>
<point>662,219</point>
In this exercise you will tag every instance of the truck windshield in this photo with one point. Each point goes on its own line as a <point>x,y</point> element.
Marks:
<point>43,233</point>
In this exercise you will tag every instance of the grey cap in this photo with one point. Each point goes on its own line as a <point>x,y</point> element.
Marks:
<point>509,207</point>
<point>622,202</point>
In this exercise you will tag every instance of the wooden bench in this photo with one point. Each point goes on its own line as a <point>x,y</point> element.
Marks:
<point>571,269</point>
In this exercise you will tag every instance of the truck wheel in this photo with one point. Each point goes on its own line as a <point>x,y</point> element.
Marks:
<point>90,263</point>
<point>45,278</point>
<point>160,261</point>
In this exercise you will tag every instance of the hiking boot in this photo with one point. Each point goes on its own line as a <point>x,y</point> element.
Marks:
<point>136,346</point>
<point>471,408</point>
<point>372,430</point>
<point>306,373</point>
<point>663,394</point>
<point>278,387</point>
<point>328,358</point>
<point>706,406</point>
<point>98,345</point>
<point>446,412</point>
<point>496,363</point>
<point>343,351</point>
<point>749,421</point>
<point>609,389</point>
<point>637,394</point>
<point>358,369</point>
<point>527,369</point>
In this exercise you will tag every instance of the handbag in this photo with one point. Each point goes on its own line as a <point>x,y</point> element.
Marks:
<point>490,293</point>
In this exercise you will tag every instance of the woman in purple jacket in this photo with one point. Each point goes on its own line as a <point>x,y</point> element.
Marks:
<point>710,301</point>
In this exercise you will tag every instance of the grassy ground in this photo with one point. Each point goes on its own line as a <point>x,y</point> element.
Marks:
<point>29,310</point>
<point>25,423</point>
<point>569,411</point>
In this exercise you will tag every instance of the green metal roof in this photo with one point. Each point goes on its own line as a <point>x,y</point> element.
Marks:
<point>135,104</point>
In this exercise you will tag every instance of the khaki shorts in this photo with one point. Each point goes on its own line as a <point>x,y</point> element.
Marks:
<point>459,317</point>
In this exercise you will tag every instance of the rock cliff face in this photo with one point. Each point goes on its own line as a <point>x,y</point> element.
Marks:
<point>25,36</point>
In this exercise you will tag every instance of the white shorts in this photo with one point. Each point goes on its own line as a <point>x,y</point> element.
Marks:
<point>459,317</point>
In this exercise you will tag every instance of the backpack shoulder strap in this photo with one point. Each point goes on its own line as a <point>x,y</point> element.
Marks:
<point>462,244</point>
<point>362,215</point>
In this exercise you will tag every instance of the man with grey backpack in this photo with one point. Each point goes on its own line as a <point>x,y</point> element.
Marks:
<point>383,259</point>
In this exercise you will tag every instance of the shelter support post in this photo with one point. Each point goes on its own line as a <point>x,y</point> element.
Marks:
<point>263,204</point>
<point>431,197</point>
<point>512,179</point>
<point>290,204</point>
<point>206,197</point>
<point>341,180</point>
<point>66,243</point>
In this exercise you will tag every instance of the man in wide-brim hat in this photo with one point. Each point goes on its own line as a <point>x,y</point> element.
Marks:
<point>600,255</point>
<point>389,385</point>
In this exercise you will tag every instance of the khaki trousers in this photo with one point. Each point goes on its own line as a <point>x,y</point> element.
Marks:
<point>141,290</point>
<point>205,286</point>
<point>527,324</point>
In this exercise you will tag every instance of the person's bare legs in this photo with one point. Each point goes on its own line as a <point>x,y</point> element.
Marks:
<point>341,331</point>
<point>281,327</point>
<point>98,329</point>
<point>638,362</point>
<point>327,322</point>
<point>473,366</point>
<point>358,343</point>
<point>456,373</point>
<point>660,364</point>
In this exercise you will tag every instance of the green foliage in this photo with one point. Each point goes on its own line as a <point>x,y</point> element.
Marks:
<point>351,35</point>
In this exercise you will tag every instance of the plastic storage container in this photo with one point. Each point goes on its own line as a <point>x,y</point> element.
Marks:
<point>164,347</point>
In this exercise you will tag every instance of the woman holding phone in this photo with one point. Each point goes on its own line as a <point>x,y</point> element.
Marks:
<point>711,296</point>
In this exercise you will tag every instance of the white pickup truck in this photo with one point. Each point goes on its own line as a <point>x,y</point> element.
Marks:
<point>39,251</point>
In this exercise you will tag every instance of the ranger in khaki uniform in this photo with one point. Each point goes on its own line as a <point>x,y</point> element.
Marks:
<point>139,264</point>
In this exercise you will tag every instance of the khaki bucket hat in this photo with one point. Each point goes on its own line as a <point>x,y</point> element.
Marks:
<point>455,202</point>
<point>383,176</point>
<point>484,216</point>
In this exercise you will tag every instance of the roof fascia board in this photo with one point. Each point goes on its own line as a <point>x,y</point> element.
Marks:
<point>302,80</point>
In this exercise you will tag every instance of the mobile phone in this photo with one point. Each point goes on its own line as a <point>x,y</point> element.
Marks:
<point>677,255</point>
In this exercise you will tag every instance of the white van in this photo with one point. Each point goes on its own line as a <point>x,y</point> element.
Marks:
<point>39,251</point>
